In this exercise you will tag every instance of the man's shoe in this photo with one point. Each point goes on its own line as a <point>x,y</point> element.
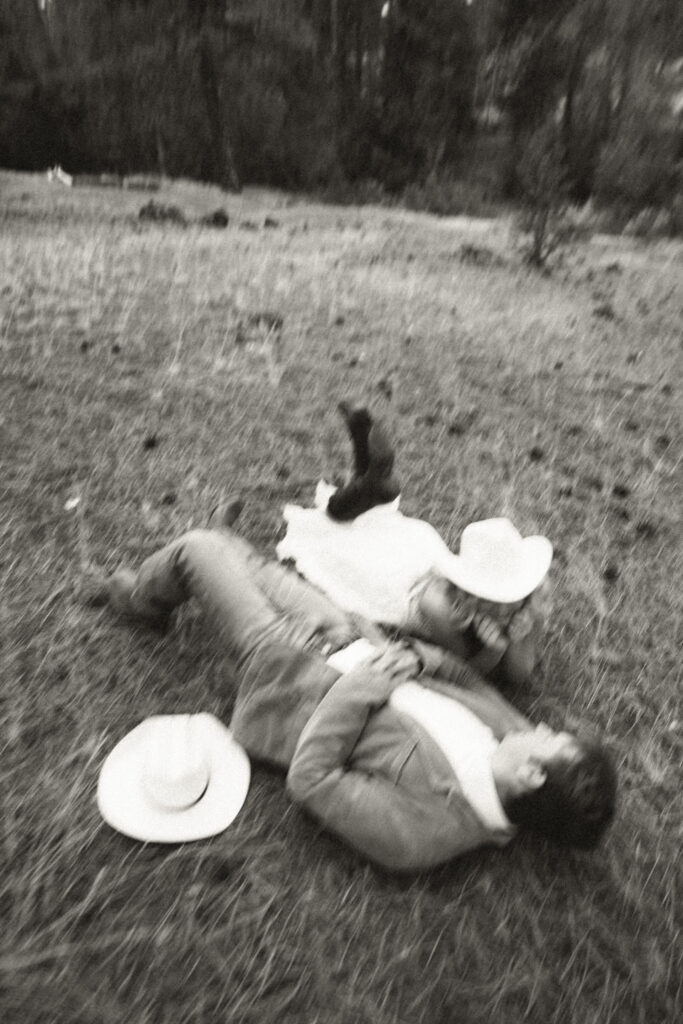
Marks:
<point>121,586</point>
<point>92,587</point>
<point>226,514</point>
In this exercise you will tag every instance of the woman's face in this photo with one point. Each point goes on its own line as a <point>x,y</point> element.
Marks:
<point>449,609</point>
<point>446,606</point>
<point>501,613</point>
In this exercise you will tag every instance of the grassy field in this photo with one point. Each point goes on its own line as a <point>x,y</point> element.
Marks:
<point>135,391</point>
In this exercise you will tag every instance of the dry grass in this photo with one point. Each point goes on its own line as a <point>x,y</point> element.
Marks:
<point>552,399</point>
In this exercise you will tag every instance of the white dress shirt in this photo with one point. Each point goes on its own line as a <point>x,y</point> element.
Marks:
<point>466,742</point>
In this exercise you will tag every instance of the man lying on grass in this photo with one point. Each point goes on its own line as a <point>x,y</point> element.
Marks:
<point>488,604</point>
<point>397,747</point>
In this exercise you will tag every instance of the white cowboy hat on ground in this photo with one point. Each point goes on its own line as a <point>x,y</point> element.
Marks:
<point>496,563</point>
<point>173,779</point>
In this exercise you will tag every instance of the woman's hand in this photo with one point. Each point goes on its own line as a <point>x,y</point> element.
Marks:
<point>489,633</point>
<point>541,601</point>
<point>521,624</point>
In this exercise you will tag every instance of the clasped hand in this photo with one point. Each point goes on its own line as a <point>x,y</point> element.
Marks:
<point>397,661</point>
<point>496,637</point>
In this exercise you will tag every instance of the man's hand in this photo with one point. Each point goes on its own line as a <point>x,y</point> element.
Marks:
<point>340,635</point>
<point>397,661</point>
<point>489,633</point>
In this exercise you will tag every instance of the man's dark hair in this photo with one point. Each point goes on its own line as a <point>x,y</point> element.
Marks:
<point>576,802</point>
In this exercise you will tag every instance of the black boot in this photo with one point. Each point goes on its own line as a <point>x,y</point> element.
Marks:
<point>373,482</point>
<point>358,423</point>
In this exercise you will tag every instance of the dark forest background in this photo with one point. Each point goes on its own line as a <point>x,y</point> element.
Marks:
<point>363,96</point>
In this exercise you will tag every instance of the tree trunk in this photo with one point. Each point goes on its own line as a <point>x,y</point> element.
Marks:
<point>222,157</point>
<point>573,79</point>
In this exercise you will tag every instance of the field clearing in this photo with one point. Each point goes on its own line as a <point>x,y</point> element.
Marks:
<point>133,379</point>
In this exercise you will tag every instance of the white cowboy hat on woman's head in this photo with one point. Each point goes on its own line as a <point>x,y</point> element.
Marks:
<point>173,779</point>
<point>496,563</point>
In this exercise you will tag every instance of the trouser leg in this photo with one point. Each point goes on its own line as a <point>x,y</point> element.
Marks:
<point>213,568</point>
<point>290,594</point>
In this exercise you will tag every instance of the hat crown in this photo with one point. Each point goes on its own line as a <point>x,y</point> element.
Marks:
<point>176,767</point>
<point>493,545</point>
<point>496,563</point>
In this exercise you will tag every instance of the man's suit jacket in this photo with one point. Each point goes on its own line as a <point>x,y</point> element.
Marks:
<point>366,771</point>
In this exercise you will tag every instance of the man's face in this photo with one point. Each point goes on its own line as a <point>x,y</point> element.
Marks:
<point>524,756</point>
<point>540,744</point>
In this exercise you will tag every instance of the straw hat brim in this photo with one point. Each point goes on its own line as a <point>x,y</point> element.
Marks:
<point>533,566</point>
<point>125,805</point>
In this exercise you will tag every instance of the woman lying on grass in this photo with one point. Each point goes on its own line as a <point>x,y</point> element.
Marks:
<point>400,749</point>
<point>488,604</point>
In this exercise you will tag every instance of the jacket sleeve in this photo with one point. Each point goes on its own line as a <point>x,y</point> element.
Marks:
<point>378,818</point>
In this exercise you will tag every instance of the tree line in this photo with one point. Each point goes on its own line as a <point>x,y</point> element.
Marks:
<point>332,93</point>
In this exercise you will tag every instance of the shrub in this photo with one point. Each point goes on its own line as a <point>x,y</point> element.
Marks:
<point>652,222</point>
<point>364,192</point>
<point>676,214</point>
<point>447,196</point>
<point>545,190</point>
<point>584,219</point>
<point>637,165</point>
<point>161,213</point>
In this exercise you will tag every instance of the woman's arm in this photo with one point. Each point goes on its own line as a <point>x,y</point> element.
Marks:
<point>442,668</point>
<point>519,660</point>
<point>525,633</point>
